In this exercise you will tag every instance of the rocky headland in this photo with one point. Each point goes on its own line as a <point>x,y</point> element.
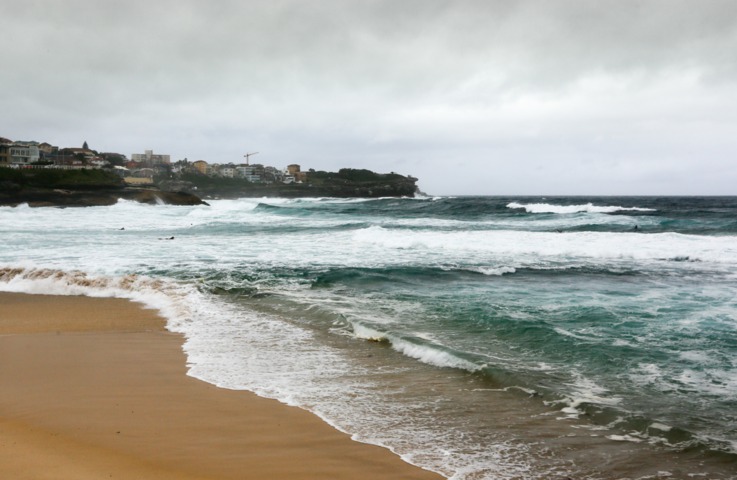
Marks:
<point>96,187</point>
<point>345,183</point>
<point>79,188</point>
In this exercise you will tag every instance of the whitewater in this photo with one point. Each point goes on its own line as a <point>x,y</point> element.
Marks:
<point>478,337</point>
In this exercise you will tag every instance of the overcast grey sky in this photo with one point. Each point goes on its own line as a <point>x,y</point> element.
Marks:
<point>473,97</point>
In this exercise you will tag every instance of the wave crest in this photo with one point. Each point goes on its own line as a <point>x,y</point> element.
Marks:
<point>421,350</point>
<point>161,295</point>
<point>563,209</point>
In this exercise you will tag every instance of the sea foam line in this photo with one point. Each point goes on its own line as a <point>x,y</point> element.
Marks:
<point>588,207</point>
<point>168,298</point>
<point>426,353</point>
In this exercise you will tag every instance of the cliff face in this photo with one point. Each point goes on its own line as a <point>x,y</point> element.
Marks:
<point>82,188</point>
<point>306,190</point>
<point>342,184</point>
<point>42,197</point>
<point>349,182</point>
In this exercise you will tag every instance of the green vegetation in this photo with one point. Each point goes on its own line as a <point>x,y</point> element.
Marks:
<point>353,176</point>
<point>55,178</point>
<point>220,184</point>
<point>347,182</point>
<point>42,186</point>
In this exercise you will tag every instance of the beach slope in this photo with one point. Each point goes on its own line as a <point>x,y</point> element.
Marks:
<point>97,388</point>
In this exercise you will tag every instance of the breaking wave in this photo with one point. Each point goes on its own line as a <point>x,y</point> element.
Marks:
<point>168,297</point>
<point>563,209</point>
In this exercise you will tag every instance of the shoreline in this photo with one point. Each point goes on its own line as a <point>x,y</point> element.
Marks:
<point>97,388</point>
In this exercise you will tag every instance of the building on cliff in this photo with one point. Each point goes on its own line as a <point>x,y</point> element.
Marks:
<point>201,166</point>
<point>5,151</point>
<point>293,174</point>
<point>149,159</point>
<point>23,153</point>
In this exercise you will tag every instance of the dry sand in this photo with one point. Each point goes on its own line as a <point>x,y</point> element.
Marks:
<point>96,388</point>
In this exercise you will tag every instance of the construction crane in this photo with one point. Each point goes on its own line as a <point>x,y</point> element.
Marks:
<point>248,155</point>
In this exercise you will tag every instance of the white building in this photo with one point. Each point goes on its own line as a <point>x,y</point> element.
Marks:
<point>23,153</point>
<point>149,159</point>
<point>227,171</point>
<point>250,173</point>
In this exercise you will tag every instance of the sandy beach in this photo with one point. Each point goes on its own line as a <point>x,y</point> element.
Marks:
<point>97,388</point>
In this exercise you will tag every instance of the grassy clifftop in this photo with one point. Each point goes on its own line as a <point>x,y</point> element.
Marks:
<point>355,175</point>
<point>77,188</point>
<point>55,178</point>
<point>347,182</point>
<point>100,187</point>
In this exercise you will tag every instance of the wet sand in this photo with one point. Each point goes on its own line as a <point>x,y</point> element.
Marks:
<point>97,388</point>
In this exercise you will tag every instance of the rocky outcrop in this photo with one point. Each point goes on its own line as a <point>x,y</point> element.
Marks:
<point>41,187</point>
<point>45,197</point>
<point>305,190</point>
<point>84,188</point>
<point>157,197</point>
<point>346,183</point>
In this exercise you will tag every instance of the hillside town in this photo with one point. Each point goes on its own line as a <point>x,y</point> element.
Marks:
<point>140,168</point>
<point>38,173</point>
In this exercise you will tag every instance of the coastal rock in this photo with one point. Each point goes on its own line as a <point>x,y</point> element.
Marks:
<point>177,186</point>
<point>154,197</point>
<point>44,197</point>
<point>397,186</point>
<point>81,188</point>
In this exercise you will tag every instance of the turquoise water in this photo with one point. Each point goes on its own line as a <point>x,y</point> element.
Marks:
<point>480,337</point>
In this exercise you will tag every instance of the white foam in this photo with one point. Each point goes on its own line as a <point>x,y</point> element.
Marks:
<point>528,391</point>
<point>494,271</point>
<point>166,297</point>
<point>699,357</point>
<point>647,373</point>
<point>586,391</point>
<point>74,238</point>
<point>711,381</point>
<point>625,438</point>
<point>433,355</point>
<point>566,209</point>
<point>515,249</point>
<point>566,333</point>
<point>237,348</point>
<point>661,426</point>
<point>367,333</point>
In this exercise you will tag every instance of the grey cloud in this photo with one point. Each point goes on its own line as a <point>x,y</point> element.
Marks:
<point>522,88</point>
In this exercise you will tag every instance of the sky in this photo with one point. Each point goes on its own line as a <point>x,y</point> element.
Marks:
<point>487,97</point>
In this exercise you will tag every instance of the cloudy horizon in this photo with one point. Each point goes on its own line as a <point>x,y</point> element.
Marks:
<point>565,97</point>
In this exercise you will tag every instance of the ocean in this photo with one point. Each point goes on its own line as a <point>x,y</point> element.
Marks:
<point>478,337</point>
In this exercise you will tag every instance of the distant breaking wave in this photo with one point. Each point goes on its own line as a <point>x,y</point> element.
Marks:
<point>589,207</point>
